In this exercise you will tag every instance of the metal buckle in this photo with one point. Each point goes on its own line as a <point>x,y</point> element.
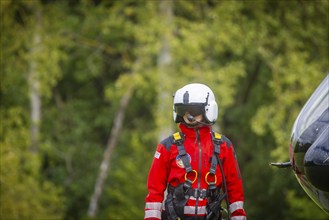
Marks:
<point>206,178</point>
<point>200,193</point>
<point>196,175</point>
<point>203,193</point>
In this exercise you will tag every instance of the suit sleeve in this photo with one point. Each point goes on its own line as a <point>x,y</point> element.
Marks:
<point>234,184</point>
<point>157,183</point>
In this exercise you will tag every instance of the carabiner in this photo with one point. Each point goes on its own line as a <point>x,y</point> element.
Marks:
<point>196,175</point>
<point>206,178</point>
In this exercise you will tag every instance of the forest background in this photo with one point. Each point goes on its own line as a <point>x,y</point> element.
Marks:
<point>86,95</point>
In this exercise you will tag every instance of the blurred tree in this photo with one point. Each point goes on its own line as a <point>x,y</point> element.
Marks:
<point>262,59</point>
<point>164,64</point>
<point>34,82</point>
<point>281,58</point>
<point>25,194</point>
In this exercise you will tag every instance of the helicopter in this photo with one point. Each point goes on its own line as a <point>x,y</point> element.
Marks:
<point>309,147</point>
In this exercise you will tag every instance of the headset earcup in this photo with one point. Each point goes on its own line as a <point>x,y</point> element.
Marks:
<point>212,112</point>
<point>174,114</point>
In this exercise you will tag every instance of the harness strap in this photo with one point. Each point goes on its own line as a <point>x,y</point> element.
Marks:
<point>182,192</point>
<point>169,206</point>
<point>176,202</point>
<point>196,193</point>
<point>179,141</point>
<point>217,140</point>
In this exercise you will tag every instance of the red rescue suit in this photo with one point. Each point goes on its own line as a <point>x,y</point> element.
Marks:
<point>167,168</point>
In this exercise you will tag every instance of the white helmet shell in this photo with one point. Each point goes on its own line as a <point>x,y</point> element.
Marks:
<point>197,93</point>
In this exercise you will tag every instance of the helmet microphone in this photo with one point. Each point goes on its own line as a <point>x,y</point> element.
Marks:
<point>190,118</point>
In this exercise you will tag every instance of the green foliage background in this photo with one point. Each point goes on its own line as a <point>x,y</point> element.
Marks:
<point>263,59</point>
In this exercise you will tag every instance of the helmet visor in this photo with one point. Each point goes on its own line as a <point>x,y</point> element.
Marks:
<point>192,109</point>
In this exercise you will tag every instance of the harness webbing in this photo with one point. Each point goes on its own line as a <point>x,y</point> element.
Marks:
<point>217,140</point>
<point>178,140</point>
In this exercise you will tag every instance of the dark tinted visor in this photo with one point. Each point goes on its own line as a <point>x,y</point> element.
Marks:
<point>194,110</point>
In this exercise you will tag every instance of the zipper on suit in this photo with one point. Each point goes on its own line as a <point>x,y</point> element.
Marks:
<point>199,169</point>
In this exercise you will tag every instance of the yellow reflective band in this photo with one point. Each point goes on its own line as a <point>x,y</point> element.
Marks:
<point>177,136</point>
<point>217,136</point>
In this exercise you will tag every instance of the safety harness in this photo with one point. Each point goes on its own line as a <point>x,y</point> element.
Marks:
<point>178,196</point>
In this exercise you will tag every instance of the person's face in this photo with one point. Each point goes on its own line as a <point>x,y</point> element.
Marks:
<point>197,118</point>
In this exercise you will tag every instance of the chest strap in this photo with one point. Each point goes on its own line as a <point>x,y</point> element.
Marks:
<point>178,196</point>
<point>217,141</point>
<point>178,139</point>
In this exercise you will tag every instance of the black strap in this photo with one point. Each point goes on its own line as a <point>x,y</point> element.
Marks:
<point>179,139</point>
<point>170,209</point>
<point>217,140</point>
<point>224,187</point>
<point>215,199</point>
<point>176,201</point>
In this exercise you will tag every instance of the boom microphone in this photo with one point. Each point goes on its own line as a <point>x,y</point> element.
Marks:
<point>190,118</point>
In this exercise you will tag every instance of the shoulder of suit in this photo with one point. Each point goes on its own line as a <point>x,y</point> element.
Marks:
<point>167,142</point>
<point>228,141</point>
<point>172,139</point>
<point>222,138</point>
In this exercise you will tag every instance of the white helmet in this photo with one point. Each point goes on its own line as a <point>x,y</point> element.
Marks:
<point>196,99</point>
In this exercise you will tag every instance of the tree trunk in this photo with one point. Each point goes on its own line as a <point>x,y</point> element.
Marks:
<point>112,141</point>
<point>164,111</point>
<point>34,83</point>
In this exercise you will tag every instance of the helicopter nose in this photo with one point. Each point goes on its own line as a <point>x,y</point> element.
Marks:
<point>316,162</point>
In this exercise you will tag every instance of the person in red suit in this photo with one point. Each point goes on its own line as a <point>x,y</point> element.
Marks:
<point>195,171</point>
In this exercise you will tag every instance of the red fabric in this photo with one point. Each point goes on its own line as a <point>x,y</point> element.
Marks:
<point>165,168</point>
